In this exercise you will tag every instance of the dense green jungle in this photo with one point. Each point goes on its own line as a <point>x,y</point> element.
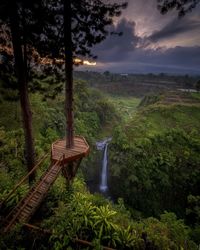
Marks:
<point>153,201</point>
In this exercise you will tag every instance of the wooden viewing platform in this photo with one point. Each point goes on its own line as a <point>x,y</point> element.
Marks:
<point>63,159</point>
<point>59,152</point>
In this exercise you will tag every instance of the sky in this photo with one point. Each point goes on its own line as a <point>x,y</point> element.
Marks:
<point>151,42</point>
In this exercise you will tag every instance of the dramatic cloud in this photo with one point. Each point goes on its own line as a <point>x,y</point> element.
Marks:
<point>146,16</point>
<point>176,27</point>
<point>115,47</point>
<point>151,42</point>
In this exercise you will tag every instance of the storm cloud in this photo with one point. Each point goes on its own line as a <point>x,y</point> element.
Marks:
<point>117,47</point>
<point>176,27</point>
<point>151,42</point>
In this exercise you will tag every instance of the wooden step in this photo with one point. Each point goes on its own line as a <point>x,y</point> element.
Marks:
<point>27,206</point>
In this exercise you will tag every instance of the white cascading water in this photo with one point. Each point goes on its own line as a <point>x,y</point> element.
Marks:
<point>104,178</point>
<point>103,145</point>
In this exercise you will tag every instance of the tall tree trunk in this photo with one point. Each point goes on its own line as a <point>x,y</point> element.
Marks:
<point>68,74</point>
<point>23,89</point>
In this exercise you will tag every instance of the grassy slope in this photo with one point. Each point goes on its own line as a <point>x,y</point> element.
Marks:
<point>158,118</point>
<point>126,106</point>
<point>176,116</point>
<point>196,95</point>
<point>154,117</point>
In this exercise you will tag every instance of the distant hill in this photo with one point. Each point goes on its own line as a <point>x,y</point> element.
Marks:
<point>135,85</point>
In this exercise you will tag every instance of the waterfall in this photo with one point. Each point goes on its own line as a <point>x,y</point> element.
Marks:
<point>103,145</point>
<point>104,177</point>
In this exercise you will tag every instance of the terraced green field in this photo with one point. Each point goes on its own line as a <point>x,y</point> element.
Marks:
<point>160,116</point>
<point>126,106</point>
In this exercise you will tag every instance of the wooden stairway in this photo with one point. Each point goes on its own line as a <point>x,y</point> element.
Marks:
<point>62,158</point>
<point>28,205</point>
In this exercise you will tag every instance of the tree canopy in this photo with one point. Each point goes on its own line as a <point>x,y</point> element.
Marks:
<point>182,6</point>
<point>34,29</point>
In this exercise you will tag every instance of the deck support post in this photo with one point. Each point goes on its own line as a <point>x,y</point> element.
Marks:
<point>70,169</point>
<point>68,74</point>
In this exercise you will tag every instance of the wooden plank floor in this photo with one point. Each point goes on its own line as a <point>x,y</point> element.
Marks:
<point>59,150</point>
<point>28,205</point>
